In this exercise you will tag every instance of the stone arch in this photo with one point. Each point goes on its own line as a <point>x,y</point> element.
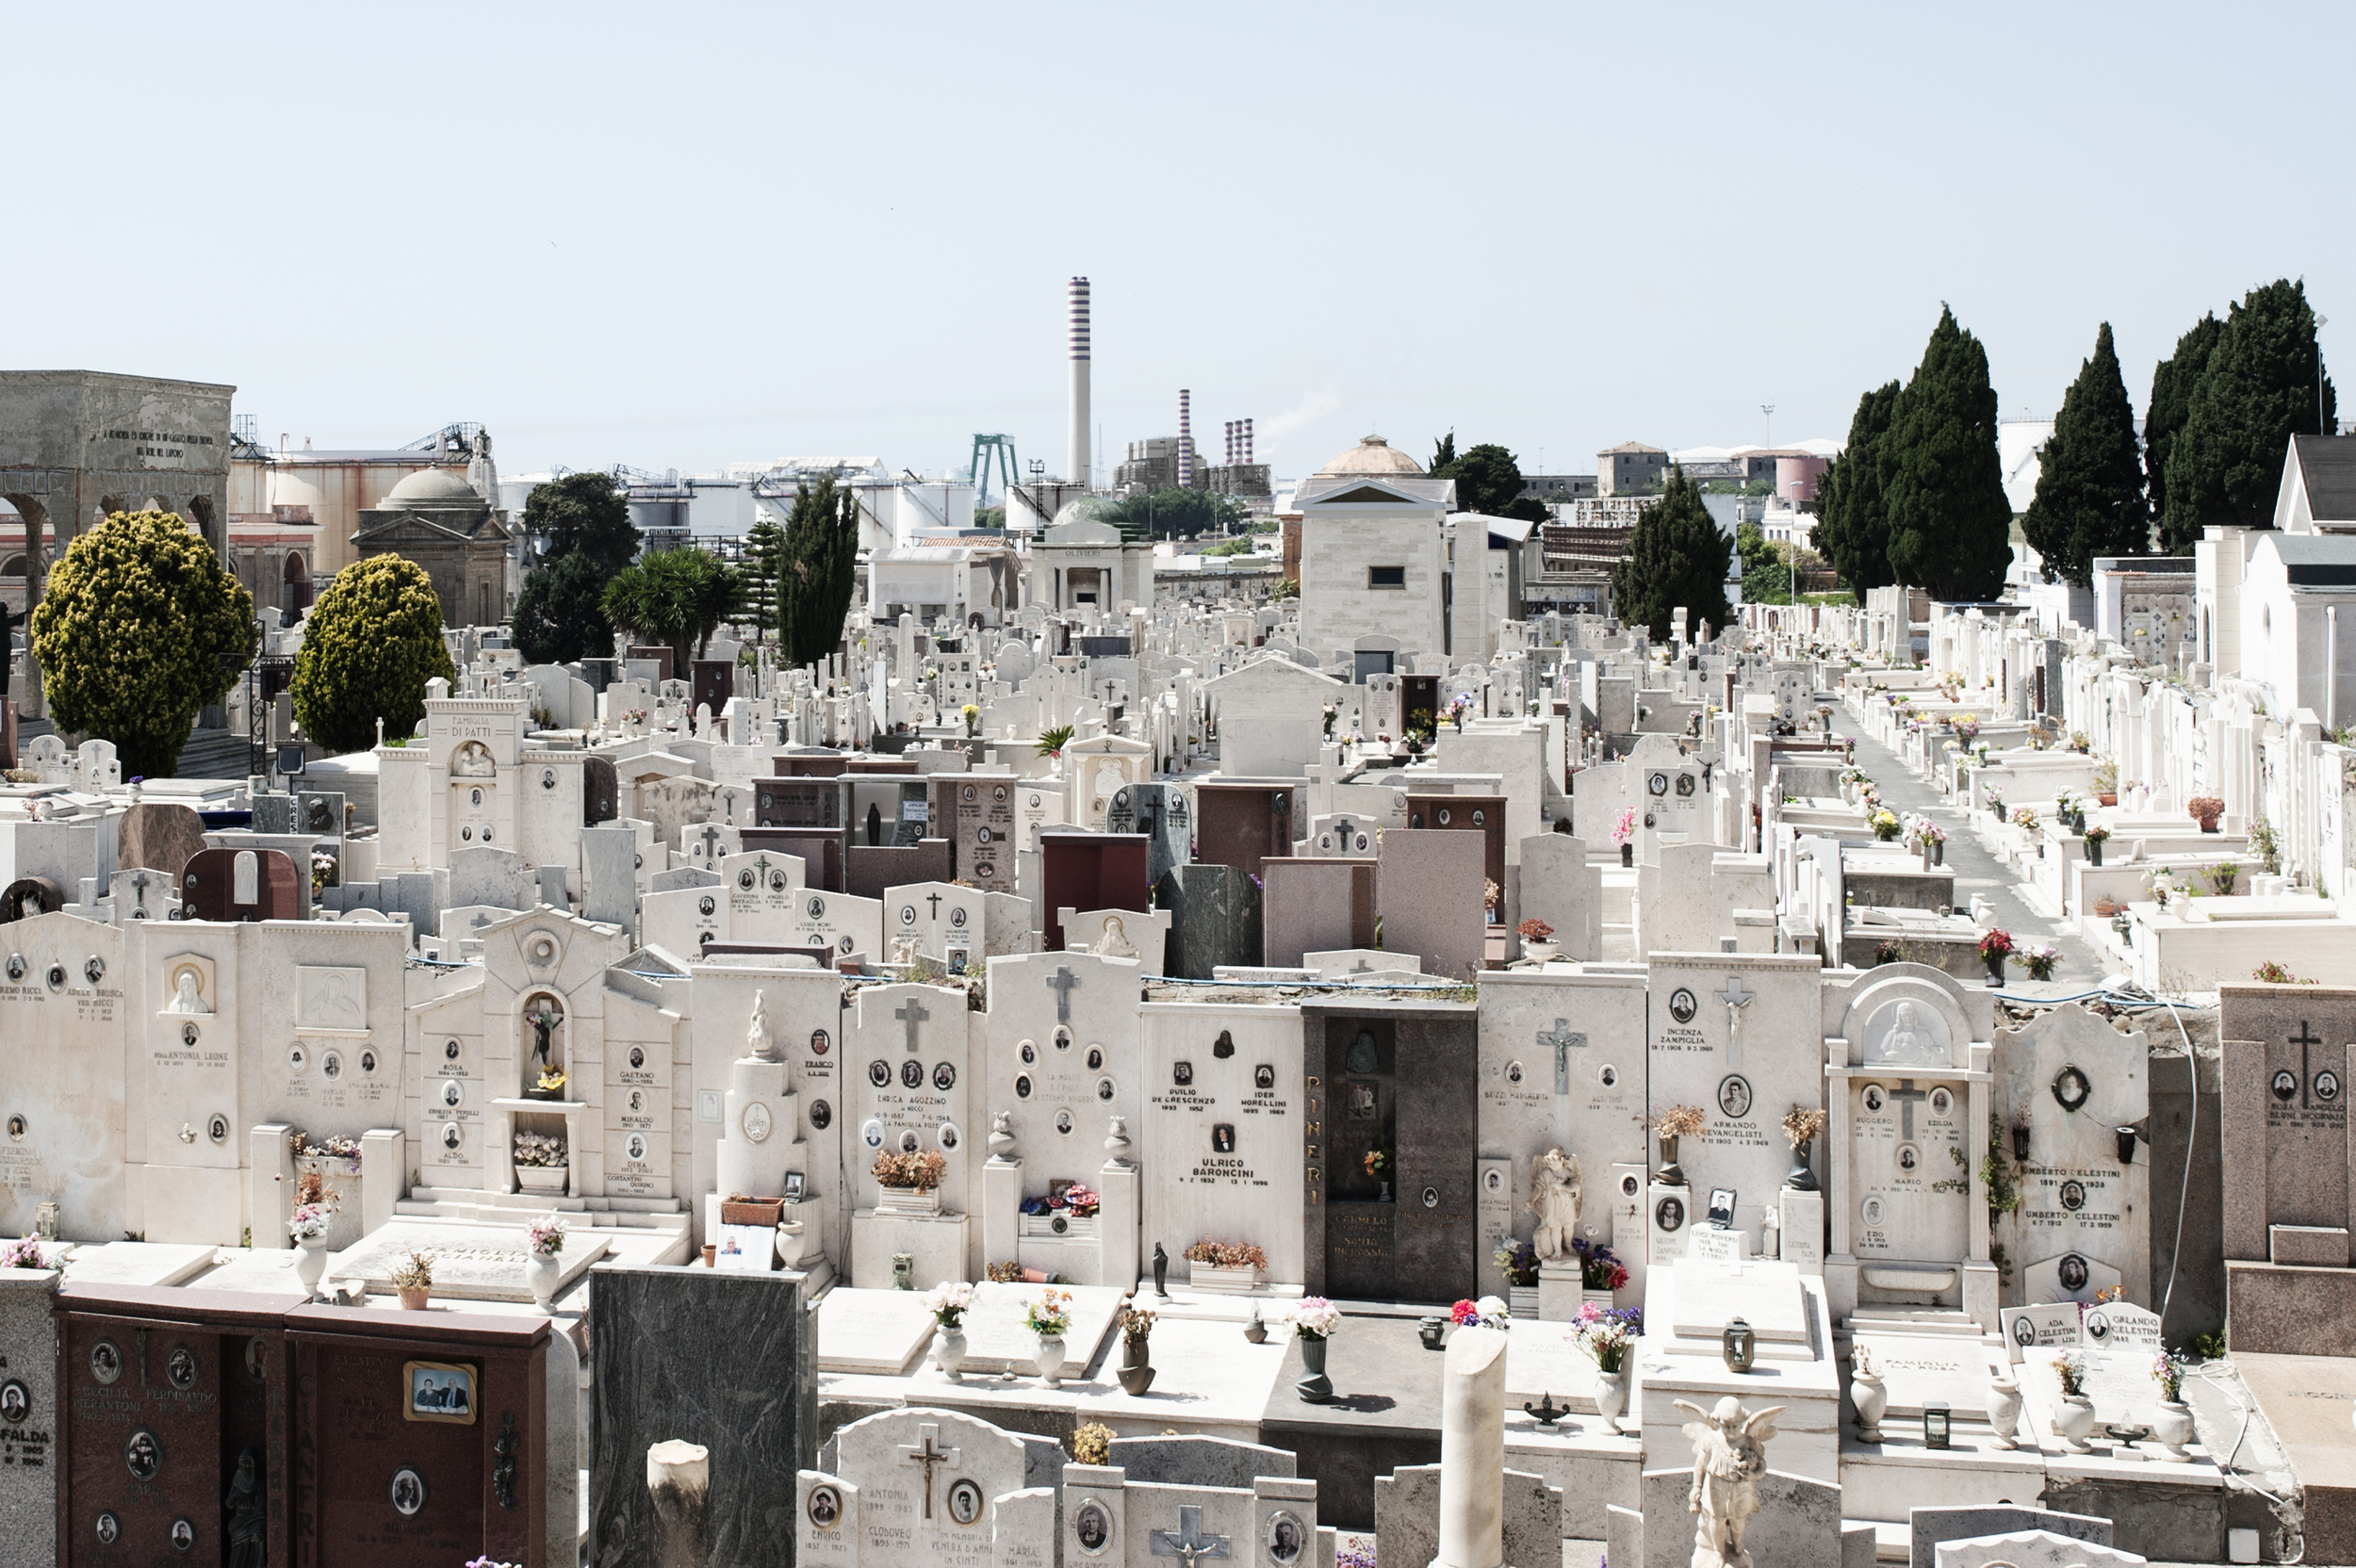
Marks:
<point>199,512</point>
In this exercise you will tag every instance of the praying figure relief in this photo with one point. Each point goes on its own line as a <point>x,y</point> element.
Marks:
<point>1556,1195</point>
<point>1730,1456</point>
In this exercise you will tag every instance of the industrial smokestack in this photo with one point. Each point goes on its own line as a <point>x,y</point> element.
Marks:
<point>1185,439</point>
<point>1247,440</point>
<point>1078,461</point>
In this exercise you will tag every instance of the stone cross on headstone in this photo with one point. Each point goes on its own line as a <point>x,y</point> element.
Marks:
<point>138,885</point>
<point>911,1013</point>
<point>1188,1542</point>
<point>1563,1039</point>
<point>2306,1039</point>
<point>1736,999</point>
<point>1906,1094</point>
<point>1362,967</point>
<point>934,899</point>
<point>711,837</point>
<point>930,1457</point>
<point>1061,983</point>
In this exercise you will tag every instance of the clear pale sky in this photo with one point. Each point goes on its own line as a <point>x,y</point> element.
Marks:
<point>682,236</point>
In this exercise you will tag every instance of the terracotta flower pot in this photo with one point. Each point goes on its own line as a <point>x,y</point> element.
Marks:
<point>413,1298</point>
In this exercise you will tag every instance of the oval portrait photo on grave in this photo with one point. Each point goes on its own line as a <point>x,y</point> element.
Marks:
<point>825,1507</point>
<point>965,1502</point>
<point>1285,1538</point>
<point>1681,1005</point>
<point>1091,1526</point>
<point>2074,1273</point>
<point>1734,1097</point>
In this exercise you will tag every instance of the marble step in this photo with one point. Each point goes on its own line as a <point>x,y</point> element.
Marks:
<point>1914,1320</point>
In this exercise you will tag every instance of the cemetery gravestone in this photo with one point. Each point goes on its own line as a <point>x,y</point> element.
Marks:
<point>2286,1145</point>
<point>1157,811</point>
<point>243,884</point>
<point>2070,1081</point>
<point>723,1359</point>
<point>1311,905</point>
<point>1243,825</point>
<point>160,836</point>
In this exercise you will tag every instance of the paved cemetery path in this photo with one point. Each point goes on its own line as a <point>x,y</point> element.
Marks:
<point>1977,869</point>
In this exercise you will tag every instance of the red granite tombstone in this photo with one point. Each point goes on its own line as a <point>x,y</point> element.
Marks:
<point>418,1437</point>
<point>1242,824</point>
<point>714,684</point>
<point>600,792</point>
<point>242,885</point>
<point>798,803</point>
<point>161,1392</point>
<point>871,868</point>
<point>1483,814</point>
<point>400,1440</point>
<point>162,836</point>
<point>1089,870</point>
<point>813,765</point>
<point>1420,702</point>
<point>30,895</point>
<point>8,735</point>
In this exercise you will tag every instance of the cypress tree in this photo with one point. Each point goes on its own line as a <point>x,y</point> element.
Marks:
<point>1949,525</point>
<point>818,572</point>
<point>2258,391</point>
<point>1852,528</point>
<point>2172,383</point>
<point>2089,488</point>
<point>1678,556</point>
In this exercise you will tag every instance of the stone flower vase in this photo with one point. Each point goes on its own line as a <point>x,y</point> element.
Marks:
<point>1612,1398</point>
<point>949,1348</point>
<point>1671,1174</point>
<point>1136,1373</point>
<point>1315,1387</point>
<point>1627,854</point>
<point>2094,852</point>
<point>1995,962</point>
<point>2171,1427</point>
<point>1939,853</point>
<point>1048,1357</point>
<point>311,1264</point>
<point>1802,1176</point>
<point>2003,1410</point>
<point>541,1272</point>
<point>1870,1399</point>
<point>2073,1418</point>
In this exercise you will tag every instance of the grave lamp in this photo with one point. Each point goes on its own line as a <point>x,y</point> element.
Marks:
<point>2127,1145</point>
<point>1738,1343</point>
<point>2020,1140</point>
<point>1430,1331</point>
<point>1937,1426</point>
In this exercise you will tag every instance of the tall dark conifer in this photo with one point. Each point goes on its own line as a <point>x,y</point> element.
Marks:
<point>1950,524</point>
<point>2172,383</point>
<point>1853,529</point>
<point>1678,556</point>
<point>2089,488</point>
<point>2259,390</point>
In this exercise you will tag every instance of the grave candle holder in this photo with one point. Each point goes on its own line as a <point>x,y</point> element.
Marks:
<point>1937,1426</point>
<point>2127,1145</point>
<point>1739,1345</point>
<point>1432,1330</point>
<point>2020,1141</point>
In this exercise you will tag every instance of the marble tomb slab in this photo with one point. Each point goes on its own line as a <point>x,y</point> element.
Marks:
<point>997,1339</point>
<point>872,1330</point>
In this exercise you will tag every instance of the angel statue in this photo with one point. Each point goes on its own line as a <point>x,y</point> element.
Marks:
<point>757,1046</point>
<point>1730,1456</point>
<point>1556,1196</point>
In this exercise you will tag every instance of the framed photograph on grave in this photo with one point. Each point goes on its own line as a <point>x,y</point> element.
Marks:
<point>438,1391</point>
<point>1721,1208</point>
<point>747,1249</point>
<point>1363,1100</point>
<point>792,1186</point>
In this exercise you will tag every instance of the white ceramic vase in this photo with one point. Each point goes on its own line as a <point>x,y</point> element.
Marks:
<point>949,1350</point>
<point>2171,1429</point>
<point>1050,1361</point>
<point>542,1272</point>
<point>1870,1399</point>
<point>1612,1398</point>
<point>2073,1419</point>
<point>2003,1410</point>
<point>311,1264</point>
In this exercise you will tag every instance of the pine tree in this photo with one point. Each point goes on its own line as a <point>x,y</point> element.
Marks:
<point>2172,383</point>
<point>559,614</point>
<point>2089,488</point>
<point>1852,522</point>
<point>2259,390</point>
<point>764,557</point>
<point>1678,556</point>
<point>1950,523</point>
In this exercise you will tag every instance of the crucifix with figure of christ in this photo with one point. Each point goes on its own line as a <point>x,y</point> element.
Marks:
<point>930,1457</point>
<point>911,1013</point>
<point>1188,1543</point>
<point>934,899</point>
<point>1736,999</point>
<point>1564,1040</point>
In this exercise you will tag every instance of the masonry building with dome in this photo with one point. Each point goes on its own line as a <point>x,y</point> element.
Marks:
<point>1374,558</point>
<point>438,519</point>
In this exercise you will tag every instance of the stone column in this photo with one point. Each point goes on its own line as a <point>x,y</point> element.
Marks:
<point>1472,1451</point>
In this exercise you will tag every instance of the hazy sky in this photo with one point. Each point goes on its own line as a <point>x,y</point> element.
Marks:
<point>681,236</point>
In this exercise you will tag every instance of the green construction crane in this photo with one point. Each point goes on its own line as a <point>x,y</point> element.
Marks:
<point>984,448</point>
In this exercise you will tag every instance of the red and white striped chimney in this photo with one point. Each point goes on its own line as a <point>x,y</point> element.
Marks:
<point>1247,440</point>
<point>1185,439</point>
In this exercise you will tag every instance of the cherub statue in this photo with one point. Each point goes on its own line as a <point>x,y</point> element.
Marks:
<point>1730,1456</point>
<point>1556,1195</point>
